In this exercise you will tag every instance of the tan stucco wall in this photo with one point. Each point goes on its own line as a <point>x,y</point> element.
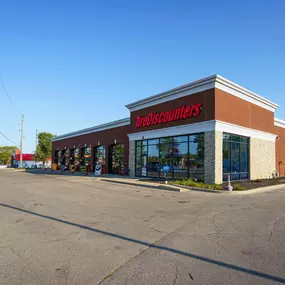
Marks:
<point>262,158</point>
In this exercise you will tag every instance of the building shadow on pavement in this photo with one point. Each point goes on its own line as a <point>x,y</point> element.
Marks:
<point>164,248</point>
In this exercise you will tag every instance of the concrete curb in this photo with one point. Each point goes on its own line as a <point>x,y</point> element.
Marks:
<point>260,190</point>
<point>202,189</point>
<point>160,187</point>
<point>236,192</point>
<point>12,169</point>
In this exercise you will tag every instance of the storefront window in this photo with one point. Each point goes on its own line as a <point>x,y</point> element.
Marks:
<point>180,139</point>
<point>59,157</point>
<point>67,157</point>
<point>153,142</point>
<point>235,157</point>
<point>117,159</point>
<point>165,158</point>
<point>152,161</point>
<point>71,160</point>
<point>168,140</point>
<point>100,154</point>
<point>76,159</point>
<point>56,157</point>
<point>171,157</point>
<point>63,158</point>
<point>87,157</point>
<point>180,158</point>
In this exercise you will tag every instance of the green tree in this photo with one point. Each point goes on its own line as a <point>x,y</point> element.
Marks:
<point>6,153</point>
<point>44,148</point>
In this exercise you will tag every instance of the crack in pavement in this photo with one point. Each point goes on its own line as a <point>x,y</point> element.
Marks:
<point>12,250</point>
<point>216,228</point>
<point>26,266</point>
<point>176,274</point>
<point>250,205</point>
<point>272,231</point>
<point>144,250</point>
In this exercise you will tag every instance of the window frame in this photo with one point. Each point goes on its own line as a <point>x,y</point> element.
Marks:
<point>242,140</point>
<point>170,140</point>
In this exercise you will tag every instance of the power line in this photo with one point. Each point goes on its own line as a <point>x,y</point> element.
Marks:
<point>8,139</point>
<point>5,90</point>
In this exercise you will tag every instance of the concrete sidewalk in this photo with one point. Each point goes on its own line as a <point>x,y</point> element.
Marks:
<point>148,184</point>
<point>111,178</point>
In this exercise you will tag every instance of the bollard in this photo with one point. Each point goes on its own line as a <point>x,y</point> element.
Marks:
<point>229,187</point>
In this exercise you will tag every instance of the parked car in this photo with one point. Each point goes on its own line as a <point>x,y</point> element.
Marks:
<point>153,166</point>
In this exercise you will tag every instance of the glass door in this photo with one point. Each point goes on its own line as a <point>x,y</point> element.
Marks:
<point>100,158</point>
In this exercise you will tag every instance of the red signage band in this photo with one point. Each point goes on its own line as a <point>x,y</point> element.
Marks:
<point>181,113</point>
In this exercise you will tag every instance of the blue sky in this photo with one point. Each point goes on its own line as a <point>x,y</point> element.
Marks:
<point>70,64</point>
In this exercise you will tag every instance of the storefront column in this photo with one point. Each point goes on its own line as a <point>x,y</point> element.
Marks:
<point>213,157</point>
<point>132,158</point>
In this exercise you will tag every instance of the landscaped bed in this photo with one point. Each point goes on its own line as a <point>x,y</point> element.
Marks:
<point>252,184</point>
<point>237,185</point>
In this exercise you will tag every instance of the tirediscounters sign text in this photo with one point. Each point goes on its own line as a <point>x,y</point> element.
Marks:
<point>182,113</point>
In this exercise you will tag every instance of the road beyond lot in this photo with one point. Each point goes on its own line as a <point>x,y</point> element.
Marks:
<point>76,230</point>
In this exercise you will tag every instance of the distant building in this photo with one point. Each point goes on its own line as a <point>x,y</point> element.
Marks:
<point>28,161</point>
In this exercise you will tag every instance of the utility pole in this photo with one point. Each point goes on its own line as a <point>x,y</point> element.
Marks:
<point>21,143</point>
<point>36,147</point>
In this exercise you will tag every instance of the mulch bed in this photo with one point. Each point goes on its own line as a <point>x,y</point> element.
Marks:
<point>154,180</point>
<point>252,184</point>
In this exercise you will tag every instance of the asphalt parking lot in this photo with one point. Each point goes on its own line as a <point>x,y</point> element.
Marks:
<point>77,230</point>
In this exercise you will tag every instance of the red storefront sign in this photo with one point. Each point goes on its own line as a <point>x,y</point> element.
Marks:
<point>184,112</point>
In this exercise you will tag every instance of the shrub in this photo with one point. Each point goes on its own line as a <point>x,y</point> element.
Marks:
<point>192,183</point>
<point>238,187</point>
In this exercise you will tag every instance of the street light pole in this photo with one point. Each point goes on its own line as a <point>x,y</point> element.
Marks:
<point>21,142</point>
<point>36,147</point>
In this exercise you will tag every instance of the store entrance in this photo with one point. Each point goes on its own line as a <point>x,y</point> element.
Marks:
<point>116,159</point>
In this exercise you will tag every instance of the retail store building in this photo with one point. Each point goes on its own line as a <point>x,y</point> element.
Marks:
<point>206,129</point>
